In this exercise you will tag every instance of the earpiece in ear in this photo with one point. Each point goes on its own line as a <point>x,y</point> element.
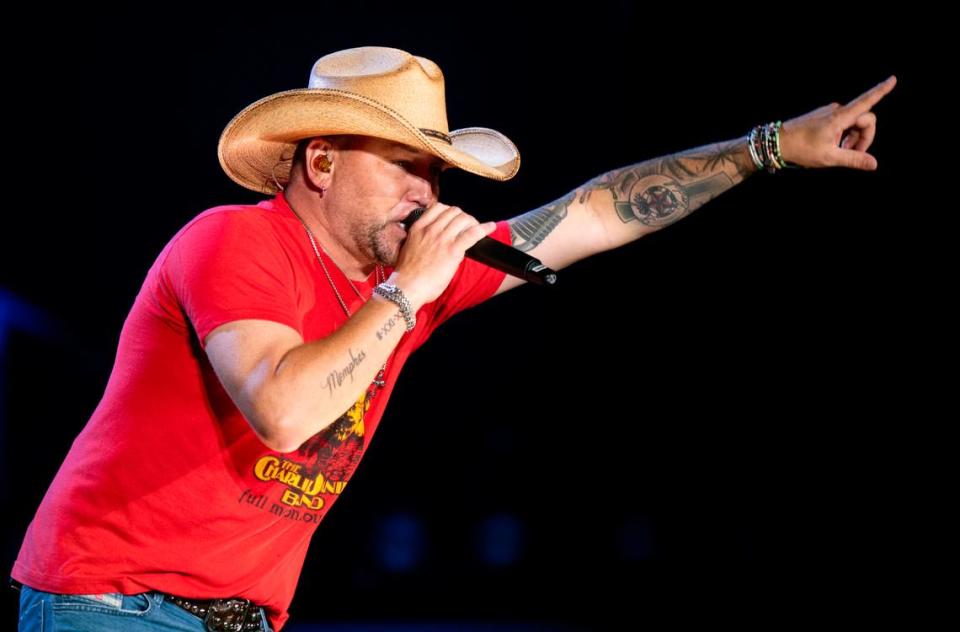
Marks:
<point>322,163</point>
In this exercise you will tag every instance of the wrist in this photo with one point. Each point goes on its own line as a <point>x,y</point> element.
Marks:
<point>787,144</point>
<point>403,284</point>
<point>765,146</point>
<point>392,292</point>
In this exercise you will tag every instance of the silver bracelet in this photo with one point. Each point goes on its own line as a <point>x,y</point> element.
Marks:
<point>392,293</point>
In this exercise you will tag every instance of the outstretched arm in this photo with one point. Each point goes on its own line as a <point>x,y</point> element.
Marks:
<point>620,206</point>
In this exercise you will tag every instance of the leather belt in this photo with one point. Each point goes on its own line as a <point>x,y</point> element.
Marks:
<point>222,615</point>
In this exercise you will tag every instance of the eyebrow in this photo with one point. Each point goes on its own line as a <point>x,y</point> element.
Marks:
<point>408,150</point>
<point>435,163</point>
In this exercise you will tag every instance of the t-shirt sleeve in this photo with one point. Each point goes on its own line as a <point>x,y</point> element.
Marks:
<point>472,284</point>
<point>228,266</point>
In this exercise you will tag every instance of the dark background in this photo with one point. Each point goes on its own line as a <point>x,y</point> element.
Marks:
<point>726,419</point>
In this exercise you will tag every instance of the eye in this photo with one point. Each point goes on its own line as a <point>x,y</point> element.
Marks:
<point>404,164</point>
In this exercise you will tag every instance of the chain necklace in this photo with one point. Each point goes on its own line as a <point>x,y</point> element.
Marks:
<point>379,380</point>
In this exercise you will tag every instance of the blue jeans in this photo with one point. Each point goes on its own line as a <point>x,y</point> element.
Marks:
<point>146,612</point>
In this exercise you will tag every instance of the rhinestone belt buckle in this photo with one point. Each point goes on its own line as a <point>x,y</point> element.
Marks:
<point>232,615</point>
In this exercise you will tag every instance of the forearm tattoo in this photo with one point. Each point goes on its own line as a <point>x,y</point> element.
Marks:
<point>529,229</point>
<point>661,191</point>
<point>337,377</point>
<point>387,326</point>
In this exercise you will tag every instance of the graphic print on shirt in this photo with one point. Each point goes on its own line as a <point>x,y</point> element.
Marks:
<point>317,472</point>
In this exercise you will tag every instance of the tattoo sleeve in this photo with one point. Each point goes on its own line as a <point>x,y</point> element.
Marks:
<point>658,192</point>
<point>632,201</point>
<point>529,229</point>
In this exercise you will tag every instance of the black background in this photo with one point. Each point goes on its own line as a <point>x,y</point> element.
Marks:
<point>747,388</point>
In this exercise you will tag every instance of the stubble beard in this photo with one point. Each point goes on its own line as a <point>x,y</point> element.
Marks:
<point>384,249</point>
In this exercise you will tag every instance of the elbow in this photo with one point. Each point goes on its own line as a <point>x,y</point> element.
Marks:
<point>286,431</point>
<point>283,448</point>
<point>285,418</point>
<point>280,434</point>
<point>281,441</point>
<point>274,417</point>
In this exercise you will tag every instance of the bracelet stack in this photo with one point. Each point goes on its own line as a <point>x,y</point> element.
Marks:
<point>391,292</point>
<point>764,145</point>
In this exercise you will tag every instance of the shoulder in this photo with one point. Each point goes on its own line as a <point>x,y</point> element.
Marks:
<point>231,218</point>
<point>232,226</point>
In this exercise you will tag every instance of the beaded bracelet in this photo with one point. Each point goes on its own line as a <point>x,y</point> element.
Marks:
<point>764,145</point>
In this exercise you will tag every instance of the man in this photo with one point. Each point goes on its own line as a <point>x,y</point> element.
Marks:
<point>260,353</point>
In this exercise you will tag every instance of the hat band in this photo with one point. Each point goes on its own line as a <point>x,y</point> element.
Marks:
<point>435,134</point>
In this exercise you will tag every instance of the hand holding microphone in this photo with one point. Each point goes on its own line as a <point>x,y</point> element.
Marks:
<point>499,255</point>
<point>433,250</point>
<point>437,241</point>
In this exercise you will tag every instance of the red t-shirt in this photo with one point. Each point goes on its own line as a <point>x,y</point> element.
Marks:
<point>167,487</point>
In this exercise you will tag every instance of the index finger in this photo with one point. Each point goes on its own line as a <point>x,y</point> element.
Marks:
<point>871,97</point>
<point>424,213</point>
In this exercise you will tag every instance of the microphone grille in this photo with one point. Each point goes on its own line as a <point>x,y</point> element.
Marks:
<point>413,216</point>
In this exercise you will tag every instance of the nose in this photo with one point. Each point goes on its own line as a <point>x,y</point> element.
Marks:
<point>424,192</point>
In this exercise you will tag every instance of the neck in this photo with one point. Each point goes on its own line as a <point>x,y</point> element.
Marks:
<point>341,249</point>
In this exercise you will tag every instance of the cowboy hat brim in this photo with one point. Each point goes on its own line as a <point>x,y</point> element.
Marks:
<point>256,148</point>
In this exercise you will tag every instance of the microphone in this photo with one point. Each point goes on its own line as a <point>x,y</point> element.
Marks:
<point>500,256</point>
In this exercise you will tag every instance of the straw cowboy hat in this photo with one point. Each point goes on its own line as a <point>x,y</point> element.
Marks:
<point>369,91</point>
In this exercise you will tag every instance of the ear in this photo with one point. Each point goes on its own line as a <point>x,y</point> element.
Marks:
<point>320,160</point>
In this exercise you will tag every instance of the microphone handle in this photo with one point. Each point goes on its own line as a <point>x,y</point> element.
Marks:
<point>502,257</point>
<point>508,259</point>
